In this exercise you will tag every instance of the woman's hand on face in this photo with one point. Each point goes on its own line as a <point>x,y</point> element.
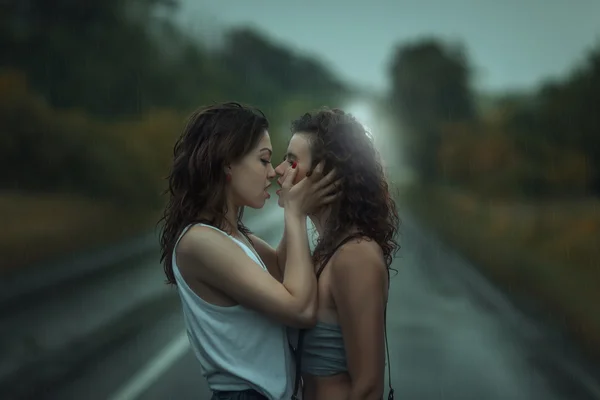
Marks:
<point>312,192</point>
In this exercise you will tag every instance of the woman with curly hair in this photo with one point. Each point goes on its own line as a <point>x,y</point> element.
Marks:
<point>343,356</point>
<point>236,303</point>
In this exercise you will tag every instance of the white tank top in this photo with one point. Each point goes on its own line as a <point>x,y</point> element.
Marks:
<point>238,348</point>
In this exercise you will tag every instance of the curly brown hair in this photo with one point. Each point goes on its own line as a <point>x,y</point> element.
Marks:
<point>215,136</point>
<point>366,204</point>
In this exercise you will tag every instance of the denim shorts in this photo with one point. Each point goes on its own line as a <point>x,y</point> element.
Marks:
<point>249,394</point>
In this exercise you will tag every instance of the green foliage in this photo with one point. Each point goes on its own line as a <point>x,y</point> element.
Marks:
<point>430,86</point>
<point>567,113</point>
<point>543,143</point>
<point>93,93</point>
<point>43,149</point>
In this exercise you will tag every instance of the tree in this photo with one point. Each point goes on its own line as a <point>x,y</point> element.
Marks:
<point>94,91</point>
<point>282,82</point>
<point>276,72</point>
<point>563,114</point>
<point>430,87</point>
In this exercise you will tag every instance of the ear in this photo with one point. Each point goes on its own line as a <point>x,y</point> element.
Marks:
<point>227,169</point>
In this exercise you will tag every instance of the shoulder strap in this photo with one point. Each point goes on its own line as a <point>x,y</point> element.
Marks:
<point>387,353</point>
<point>298,351</point>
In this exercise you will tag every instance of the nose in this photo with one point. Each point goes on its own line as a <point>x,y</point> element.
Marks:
<point>280,169</point>
<point>272,173</point>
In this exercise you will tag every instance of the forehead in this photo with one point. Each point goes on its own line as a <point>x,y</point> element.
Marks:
<point>299,145</point>
<point>265,141</point>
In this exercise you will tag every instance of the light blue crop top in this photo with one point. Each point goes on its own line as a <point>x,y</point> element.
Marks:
<point>323,352</point>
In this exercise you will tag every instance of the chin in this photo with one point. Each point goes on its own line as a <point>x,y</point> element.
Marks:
<point>257,204</point>
<point>279,203</point>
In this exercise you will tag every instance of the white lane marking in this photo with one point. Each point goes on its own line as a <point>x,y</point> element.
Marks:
<point>177,348</point>
<point>157,366</point>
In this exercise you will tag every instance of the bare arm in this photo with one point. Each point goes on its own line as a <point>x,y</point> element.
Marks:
<point>360,292</point>
<point>274,259</point>
<point>211,257</point>
<point>281,253</point>
<point>301,278</point>
<point>269,256</point>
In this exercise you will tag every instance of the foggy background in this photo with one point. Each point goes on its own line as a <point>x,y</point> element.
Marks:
<point>486,115</point>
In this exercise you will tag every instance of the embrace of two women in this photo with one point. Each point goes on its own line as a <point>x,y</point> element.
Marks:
<point>281,323</point>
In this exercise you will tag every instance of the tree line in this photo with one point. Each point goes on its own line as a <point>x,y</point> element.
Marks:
<point>94,92</point>
<point>536,144</point>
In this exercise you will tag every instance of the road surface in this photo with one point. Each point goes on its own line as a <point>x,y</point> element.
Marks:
<point>452,336</point>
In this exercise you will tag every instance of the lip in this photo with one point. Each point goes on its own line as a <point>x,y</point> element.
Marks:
<point>278,191</point>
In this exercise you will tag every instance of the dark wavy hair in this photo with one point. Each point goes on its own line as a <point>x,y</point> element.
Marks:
<point>343,143</point>
<point>214,137</point>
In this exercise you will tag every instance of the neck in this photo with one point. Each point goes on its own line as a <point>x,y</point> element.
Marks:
<point>319,219</point>
<point>231,218</point>
<point>229,223</point>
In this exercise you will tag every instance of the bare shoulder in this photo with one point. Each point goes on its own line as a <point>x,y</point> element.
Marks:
<point>359,260</point>
<point>199,238</point>
<point>203,246</point>
<point>211,257</point>
<point>361,254</point>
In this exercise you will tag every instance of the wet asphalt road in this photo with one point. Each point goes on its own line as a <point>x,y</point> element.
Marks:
<point>452,336</point>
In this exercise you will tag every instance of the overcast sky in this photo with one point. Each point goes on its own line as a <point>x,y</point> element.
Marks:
<point>511,43</point>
